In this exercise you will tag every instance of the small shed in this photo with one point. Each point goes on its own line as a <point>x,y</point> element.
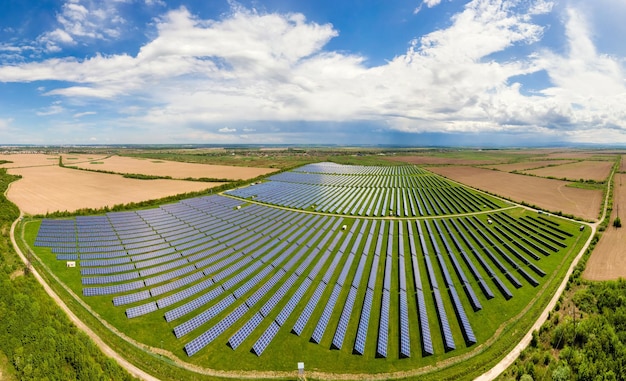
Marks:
<point>489,221</point>
<point>344,227</point>
<point>70,264</point>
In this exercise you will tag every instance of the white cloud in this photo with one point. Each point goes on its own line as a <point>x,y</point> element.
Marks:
<point>52,110</point>
<point>227,129</point>
<point>432,3</point>
<point>83,20</point>
<point>248,129</point>
<point>86,113</point>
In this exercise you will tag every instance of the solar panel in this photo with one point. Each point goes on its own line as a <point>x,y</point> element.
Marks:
<point>308,310</point>
<point>265,339</point>
<point>245,331</point>
<point>448,340</point>
<point>326,314</point>
<point>141,310</point>
<point>342,326</point>
<point>405,338</point>
<point>383,326</point>
<point>466,328</point>
<point>203,317</point>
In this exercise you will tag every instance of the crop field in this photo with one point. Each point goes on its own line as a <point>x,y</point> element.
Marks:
<point>527,165</point>
<point>586,170</point>
<point>45,189</point>
<point>608,261</point>
<point>548,194</point>
<point>247,283</point>
<point>173,169</point>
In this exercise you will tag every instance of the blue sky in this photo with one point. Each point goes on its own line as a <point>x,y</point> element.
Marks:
<point>410,72</point>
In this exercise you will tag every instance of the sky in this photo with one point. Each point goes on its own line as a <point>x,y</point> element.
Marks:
<point>402,72</point>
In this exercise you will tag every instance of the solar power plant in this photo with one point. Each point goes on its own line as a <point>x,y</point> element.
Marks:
<point>387,264</point>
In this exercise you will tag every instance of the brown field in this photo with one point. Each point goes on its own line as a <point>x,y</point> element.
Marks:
<point>24,160</point>
<point>552,195</point>
<point>587,170</point>
<point>580,155</point>
<point>440,160</point>
<point>622,165</point>
<point>527,165</point>
<point>176,170</point>
<point>28,160</point>
<point>608,260</point>
<point>51,188</point>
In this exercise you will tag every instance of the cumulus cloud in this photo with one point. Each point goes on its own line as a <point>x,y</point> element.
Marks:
<point>83,20</point>
<point>227,130</point>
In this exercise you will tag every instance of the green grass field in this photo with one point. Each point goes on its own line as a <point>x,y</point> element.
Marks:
<point>497,326</point>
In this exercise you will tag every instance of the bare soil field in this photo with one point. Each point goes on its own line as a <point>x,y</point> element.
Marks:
<point>579,155</point>
<point>587,170</point>
<point>622,165</point>
<point>24,160</point>
<point>28,160</point>
<point>525,165</point>
<point>608,260</point>
<point>552,195</point>
<point>436,160</point>
<point>52,188</point>
<point>176,170</point>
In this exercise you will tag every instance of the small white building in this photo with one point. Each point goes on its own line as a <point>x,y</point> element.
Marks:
<point>70,264</point>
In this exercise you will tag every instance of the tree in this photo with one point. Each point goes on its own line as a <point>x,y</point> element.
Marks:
<point>617,222</point>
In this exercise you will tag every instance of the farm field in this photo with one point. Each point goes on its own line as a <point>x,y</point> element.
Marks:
<point>173,169</point>
<point>525,165</point>
<point>586,170</point>
<point>548,194</point>
<point>233,284</point>
<point>44,189</point>
<point>608,261</point>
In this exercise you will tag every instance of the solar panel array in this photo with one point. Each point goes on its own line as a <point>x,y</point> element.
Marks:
<point>228,273</point>
<point>366,191</point>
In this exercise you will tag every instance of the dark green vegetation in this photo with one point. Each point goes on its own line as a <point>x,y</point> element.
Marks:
<point>583,338</point>
<point>498,325</point>
<point>36,337</point>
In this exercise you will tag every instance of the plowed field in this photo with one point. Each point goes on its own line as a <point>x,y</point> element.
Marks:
<point>552,195</point>
<point>176,170</point>
<point>608,260</point>
<point>586,170</point>
<point>52,188</point>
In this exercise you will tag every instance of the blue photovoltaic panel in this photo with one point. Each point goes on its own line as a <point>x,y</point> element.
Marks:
<point>293,302</point>
<point>383,326</point>
<point>141,310</point>
<point>308,310</point>
<point>427,343</point>
<point>245,331</point>
<point>203,317</point>
<point>265,339</point>
<point>468,332</point>
<point>342,327</point>
<point>448,340</point>
<point>326,314</point>
<point>405,338</point>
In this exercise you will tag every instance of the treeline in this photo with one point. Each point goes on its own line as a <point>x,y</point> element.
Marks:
<point>37,338</point>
